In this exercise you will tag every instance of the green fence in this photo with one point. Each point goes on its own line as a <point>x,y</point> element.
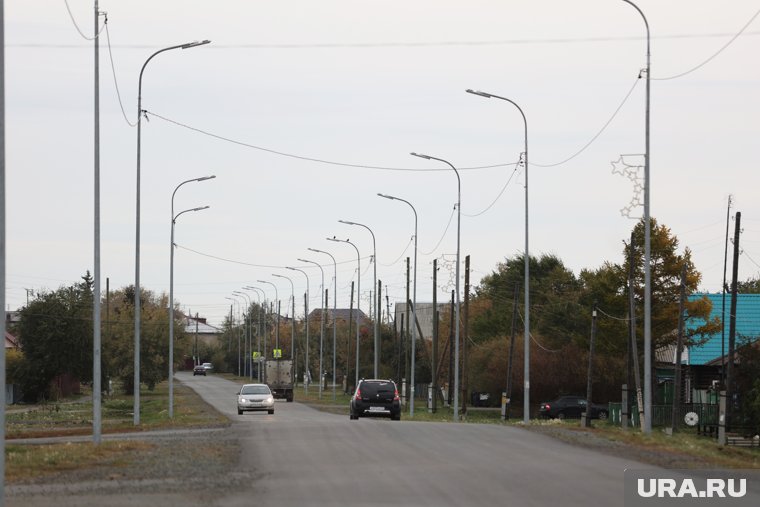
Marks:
<point>701,414</point>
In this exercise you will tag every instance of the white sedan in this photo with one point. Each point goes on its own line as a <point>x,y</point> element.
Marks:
<point>255,397</point>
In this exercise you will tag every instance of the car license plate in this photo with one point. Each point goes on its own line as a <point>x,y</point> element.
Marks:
<point>256,403</point>
<point>377,409</point>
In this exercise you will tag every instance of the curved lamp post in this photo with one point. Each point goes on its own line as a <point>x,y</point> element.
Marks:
<point>376,326</point>
<point>306,316</point>
<point>526,384</point>
<point>322,321</point>
<point>293,317</point>
<point>247,329</point>
<point>647,425</point>
<point>259,333</point>
<point>456,318</point>
<point>171,304</point>
<point>335,309</point>
<point>358,299</point>
<point>277,307</point>
<point>414,299</point>
<point>136,408</point>
<point>171,290</point>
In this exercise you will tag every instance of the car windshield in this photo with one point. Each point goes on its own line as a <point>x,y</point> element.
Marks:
<point>255,390</point>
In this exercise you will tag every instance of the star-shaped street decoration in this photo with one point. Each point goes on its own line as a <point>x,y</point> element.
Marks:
<point>631,167</point>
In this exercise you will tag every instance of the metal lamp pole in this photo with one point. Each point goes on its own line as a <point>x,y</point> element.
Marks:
<point>335,310</point>
<point>171,291</point>
<point>136,408</point>
<point>247,333</point>
<point>526,384</point>
<point>647,425</point>
<point>322,323</point>
<point>456,308</point>
<point>258,332</point>
<point>306,316</point>
<point>250,334</point>
<point>376,326</point>
<point>293,316</point>
<point>171,304</point>
<point>277,306</point>
<point>232,326</point>
<point>414,300</point>
<point>358,299</point>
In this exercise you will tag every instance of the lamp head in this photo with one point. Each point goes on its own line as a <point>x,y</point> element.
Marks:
<point>204,178</point>
<point>195,43</point>
<point>420,155</point>
<point>201,208</point>
<point>347,222</point>
<point>387,196</point>
<point>478,92</point>
<point>314,250</point>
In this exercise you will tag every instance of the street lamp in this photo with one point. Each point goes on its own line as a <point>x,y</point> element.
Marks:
<point>322,323</point>
<point>171,303</point>
<point>358,299</point>
<point>247,329</point>
<point>277,307</point>
<point>259,333</point>
<point>414,299</point>
<point>376,327</point>
<point>250,333</point>
<point>526,384</point>
<point>136,409</point>
<point>335,310</point>
<point>293,317</point>
<point>456,318</point>
<point>232,326</point>
<point>171,290</point>
<point>647,425</point>
<point>242,321</point>
<point>306,316</point>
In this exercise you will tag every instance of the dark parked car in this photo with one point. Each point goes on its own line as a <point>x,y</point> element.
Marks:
<point>375,398</point>
<point>571,407</point>
<point>199,370</point>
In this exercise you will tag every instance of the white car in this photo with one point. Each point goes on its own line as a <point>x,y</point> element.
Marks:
<point>208,366</point>
<point>255,397</point>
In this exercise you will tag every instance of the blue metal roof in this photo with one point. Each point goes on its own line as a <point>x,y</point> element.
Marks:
<point>747,325</point>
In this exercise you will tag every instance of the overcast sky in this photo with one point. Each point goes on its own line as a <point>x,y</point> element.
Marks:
<point>365,83</point>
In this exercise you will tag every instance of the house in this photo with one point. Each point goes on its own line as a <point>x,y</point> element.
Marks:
<point>342,315</point>
<point>424,317</point>
<point>11,342</point>
<point>704,362</point>
<point>197,327</point>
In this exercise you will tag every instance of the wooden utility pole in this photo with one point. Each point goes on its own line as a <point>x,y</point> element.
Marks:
<point>465,362</point>
<point>407,359</point>
<point>633,340</point>
<point>434,360</point>
<point>732,326</point>
<point>513,336</point>
<point>348,338</point>
<point>679,352</point>
<point>400,349</point>
<point>586,420</point>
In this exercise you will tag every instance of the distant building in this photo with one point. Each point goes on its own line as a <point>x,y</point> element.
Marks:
<point>11,342</point>
<point>206,333</point>
<point>424,317</point>
<point>341,315</point>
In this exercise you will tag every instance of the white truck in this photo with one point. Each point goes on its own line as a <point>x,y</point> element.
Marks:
<point>278,375</point>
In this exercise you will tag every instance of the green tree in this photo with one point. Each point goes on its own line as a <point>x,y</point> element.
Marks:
<point>749,286</point>
<point>55,331</point>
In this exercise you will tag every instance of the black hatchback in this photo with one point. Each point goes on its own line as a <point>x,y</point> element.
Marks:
<point>375,398</point>
<point>571,407</point>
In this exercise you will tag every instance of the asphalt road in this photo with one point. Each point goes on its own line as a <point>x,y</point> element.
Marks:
<point>304,457</point>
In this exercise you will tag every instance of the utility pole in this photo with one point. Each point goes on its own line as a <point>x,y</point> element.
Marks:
<point>407,362</point>
<point>730,390</point>
<point>378,305</point>
<point>723,301</point>
<point>465,369</point>
<point>586,419</point>
<point>306,371</point>
<point>434,361</point>
<point>634,341</point>
<point>348,338</point>
<point>451,357</point>
<point>96,338</point>
<point>679,351</point>
<point>512,338</point>
<point>401,351</point>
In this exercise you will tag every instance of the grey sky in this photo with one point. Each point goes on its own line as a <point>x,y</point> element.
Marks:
<point>366,83</point>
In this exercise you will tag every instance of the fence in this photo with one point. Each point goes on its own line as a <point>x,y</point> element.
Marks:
<point>700,415</point>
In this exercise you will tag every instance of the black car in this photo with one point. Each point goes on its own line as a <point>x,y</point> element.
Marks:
<point>571,407</point>
<point>199,370</point>
<point>375,397</point>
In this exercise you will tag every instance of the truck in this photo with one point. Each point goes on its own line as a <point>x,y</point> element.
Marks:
<point>278,375</point>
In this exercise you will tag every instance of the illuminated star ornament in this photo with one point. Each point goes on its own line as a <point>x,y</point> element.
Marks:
<point>631,167</point>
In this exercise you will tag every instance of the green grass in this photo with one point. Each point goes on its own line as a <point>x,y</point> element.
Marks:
<point>74,416</point>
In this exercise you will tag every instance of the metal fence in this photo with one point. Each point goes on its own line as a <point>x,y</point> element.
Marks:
<point>698,415</point>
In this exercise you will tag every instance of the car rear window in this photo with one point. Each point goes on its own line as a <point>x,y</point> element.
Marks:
<point>373,388</point>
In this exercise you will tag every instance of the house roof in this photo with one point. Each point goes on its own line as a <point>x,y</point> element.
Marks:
<point>11,342</point>
<point>191,324</point>
<point>340,313</point>
<point>747,325</point>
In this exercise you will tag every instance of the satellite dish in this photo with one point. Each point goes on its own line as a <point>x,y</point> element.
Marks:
<point>691,418</point>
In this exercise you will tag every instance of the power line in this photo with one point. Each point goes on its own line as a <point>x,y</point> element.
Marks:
<point>498,196</point>
<point>604,127</point>
<point>115,81</point>
<point>74,21</point>
<point>243,263</point>
<point>736,36</point>
<point>309,159</point>
<point>442,235</point>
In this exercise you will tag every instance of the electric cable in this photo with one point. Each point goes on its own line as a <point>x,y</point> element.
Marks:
<point>115,81</point>
<point>498,196</point>
<point>74,21</point>
<point>442,235</point>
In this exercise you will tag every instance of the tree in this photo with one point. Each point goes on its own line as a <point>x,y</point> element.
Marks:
<point>55,331</point>
<point>749,286</point>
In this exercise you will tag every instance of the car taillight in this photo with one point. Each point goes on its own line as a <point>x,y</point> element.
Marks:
<point>547,406</point>
<point>358,394</point>
<point>395,395</point>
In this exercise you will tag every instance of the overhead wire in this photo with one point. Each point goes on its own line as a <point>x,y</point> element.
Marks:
<point>709,59</point>
<point>115,81</point>
<point>517,165</point>
<point>442,235</point>
<point>74,21</point>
